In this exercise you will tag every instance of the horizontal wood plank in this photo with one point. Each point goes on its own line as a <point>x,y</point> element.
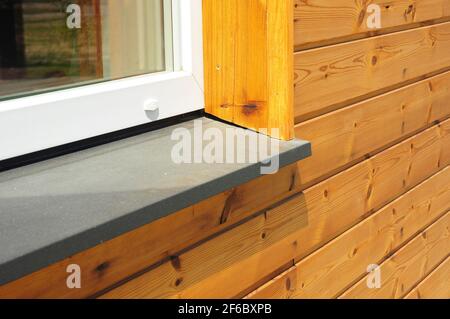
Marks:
<point>331,77</point>
<point>406,268</point>
<point>347,135</point>
<point>229,264</point>
<point>330,270</point>
<point>318,21</point>
<point>435,286</point>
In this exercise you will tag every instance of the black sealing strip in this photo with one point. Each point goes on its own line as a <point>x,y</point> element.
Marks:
<point>77,146</point>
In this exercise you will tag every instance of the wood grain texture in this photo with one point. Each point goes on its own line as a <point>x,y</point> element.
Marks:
<point>331,77</point>
<point>113,261</point>
<point>231,263</point>
<point>435,286</point>
<point>249,62</point>
<point>329,271</point>
<point>411,264</point>
<point>251,68</point>
<point>219,41</point>
<point>281,62</point>
<point>348,135</point>
<point>319,21</point>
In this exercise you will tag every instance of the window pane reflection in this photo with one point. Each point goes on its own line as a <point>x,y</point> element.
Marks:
<point>50,44</point>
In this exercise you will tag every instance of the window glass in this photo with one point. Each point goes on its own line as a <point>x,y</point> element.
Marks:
<point>49,44</point>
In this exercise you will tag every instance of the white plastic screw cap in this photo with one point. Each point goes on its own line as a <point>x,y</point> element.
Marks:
<point>151,105</point>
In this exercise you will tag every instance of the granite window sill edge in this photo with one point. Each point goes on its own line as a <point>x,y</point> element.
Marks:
<point>52,249</point>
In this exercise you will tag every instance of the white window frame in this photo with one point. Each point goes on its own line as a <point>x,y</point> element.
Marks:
<point>43,121</point>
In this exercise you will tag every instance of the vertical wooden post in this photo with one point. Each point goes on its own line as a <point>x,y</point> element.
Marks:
<point>249,63</point>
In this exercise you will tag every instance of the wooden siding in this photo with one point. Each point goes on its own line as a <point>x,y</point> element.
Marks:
<point>375,105</point>
<point>330,270</point>
<point>404,270</point>
<point>360,92</point>
<point>334,76</point>
<point>321,22</point>
<point>435,286</point>
<point>342,137</point>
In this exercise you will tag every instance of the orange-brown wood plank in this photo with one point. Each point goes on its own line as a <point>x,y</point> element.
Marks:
<point>406,268</point>
<point>348,135</point>
<point>331,77</point>
<point>435,286</point>
<point>329,271</point>
<point>318,22</point>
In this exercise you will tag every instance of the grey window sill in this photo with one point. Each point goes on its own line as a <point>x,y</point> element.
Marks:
<point>57,208</point>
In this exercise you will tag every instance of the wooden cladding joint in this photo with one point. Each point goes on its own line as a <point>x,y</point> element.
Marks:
<point>248,49</point>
